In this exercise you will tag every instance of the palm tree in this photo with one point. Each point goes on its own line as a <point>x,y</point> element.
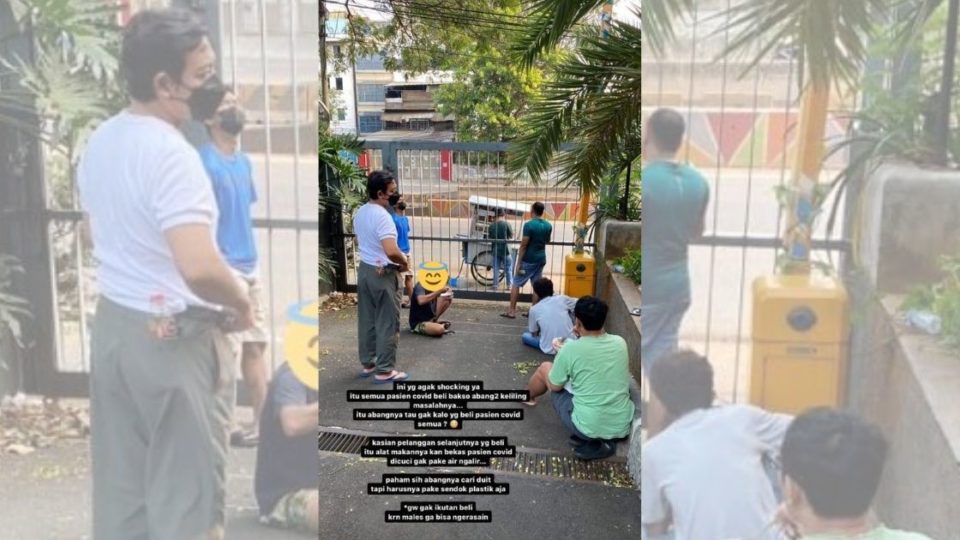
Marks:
<point>593,100</point>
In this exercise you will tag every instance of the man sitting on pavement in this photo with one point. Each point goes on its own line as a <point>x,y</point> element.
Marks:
<point>551,318</point>
<point>431,298</point>
<point>832,462</point>
<point>599,410</point>
<point>704,474</point>
<point>287,470</point>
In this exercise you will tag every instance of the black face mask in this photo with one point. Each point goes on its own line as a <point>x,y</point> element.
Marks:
<point>394,199</point>
<point>232,120</point>
<point>205,99</point>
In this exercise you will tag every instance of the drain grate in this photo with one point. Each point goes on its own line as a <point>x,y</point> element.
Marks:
<point>612,472</point>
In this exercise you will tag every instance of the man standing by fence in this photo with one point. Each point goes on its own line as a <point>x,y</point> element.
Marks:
<point>532,256</point>
<point>161,373</point>
<point>675,200</point>
<point>378,282</point>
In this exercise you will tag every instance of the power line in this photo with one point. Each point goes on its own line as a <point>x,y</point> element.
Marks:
<point>503,26</point>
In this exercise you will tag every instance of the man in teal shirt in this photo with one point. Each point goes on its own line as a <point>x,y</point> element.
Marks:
<point>832,462</point>
<point>532,256</point>
<point>675,200</point>
<point>590,380</point>
<point>500,231</point>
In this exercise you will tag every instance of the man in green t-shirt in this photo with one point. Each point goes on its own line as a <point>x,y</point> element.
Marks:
<point>590,380</point>
<point>832,462</point>
<point>500,231</point>
<point>532,256</point>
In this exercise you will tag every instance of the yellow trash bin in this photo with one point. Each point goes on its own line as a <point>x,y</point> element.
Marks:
<point>800,339</point>
<point>580,272</point>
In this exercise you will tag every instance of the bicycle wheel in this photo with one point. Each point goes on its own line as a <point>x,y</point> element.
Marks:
<point>481,267</point>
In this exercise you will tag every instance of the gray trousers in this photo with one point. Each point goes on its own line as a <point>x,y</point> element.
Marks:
<point>378,321</point>
<point>160,410</point>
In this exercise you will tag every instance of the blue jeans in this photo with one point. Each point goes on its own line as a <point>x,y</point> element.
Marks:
<point>660,325</point>
<point>531,272</point>
<point>531,340</point>
<point>505,265</point>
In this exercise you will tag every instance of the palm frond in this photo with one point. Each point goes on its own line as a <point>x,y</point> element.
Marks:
<point>831,35</point>
<point>659,21</point>
<point>549,21</point>
<point>593,103</point>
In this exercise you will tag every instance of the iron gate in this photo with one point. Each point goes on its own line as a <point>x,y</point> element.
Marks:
<point>268,52</point>
<point>451,190</point>
<point>741,135</point>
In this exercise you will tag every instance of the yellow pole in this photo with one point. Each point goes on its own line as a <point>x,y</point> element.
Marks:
<point>811,132</point>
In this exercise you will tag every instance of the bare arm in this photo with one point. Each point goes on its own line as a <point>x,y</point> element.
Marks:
<point>203,269</point>
<point>427,298</point>
<point>299,420</point>
<point>523,249</point>
<point>393,252</point>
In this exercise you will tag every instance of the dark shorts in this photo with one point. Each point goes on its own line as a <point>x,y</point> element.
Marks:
<point>563,404</point>
<point>531,272</point>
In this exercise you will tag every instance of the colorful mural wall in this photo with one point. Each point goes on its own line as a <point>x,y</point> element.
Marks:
<point>762,139</point>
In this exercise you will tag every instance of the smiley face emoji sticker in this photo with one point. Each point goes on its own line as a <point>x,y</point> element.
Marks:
<point>301,342</point>
<point>433,276</point>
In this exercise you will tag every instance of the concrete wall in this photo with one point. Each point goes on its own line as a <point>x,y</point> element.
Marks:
<point>910,218</point>
<point>908,385</point>
<point>622,295</point>
<point>613,239</point>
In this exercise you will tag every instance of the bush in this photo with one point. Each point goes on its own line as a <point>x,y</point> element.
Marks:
<point>631,264</point>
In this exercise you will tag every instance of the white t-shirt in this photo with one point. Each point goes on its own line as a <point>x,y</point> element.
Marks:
<point>138,178</point>
<point>551,317</point>
<point>372,225</point>
<point>706,470</point>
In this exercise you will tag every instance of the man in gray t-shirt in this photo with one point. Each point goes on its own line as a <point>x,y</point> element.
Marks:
<point>550,317</point>
<point>704,476</point>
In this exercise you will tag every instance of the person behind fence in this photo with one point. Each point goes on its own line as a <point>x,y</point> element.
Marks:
<point>378,283</point>
<point>231,175</point>
<point>551,318</point>
<point>287,470</point>
<point>400,218</point>
<point>675,198</point>
<point>597,409</point>
<point>703,477</point>
<point>532,255</point>
<point>832,463</point>
<point>500,232</point>
<point>161,367</point>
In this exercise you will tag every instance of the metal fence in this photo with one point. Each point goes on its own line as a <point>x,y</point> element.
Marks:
<point>265,56</point>
<point>741,135</point>
<point>452,191</point>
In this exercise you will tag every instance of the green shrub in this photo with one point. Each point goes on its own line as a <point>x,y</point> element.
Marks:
<point>631,264</point>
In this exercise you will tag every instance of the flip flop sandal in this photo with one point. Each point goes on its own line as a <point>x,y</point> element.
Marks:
<point>243,439</point>
<point>448,331</point>
<point>635,312</point>
<point>364,373</point>
<point>525,315</point>
<point>394,376</point>
<point>508,316</point>
<point>446,324</point>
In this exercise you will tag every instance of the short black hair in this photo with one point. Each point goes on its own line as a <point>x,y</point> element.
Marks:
<point>500,212</point>
<point>378,181</point>
<point>543,287</point>
<point>538,208</point>
<point>401,206</point>
<point>157,41</point>
<point>837,459</point>
<point>683,382</point>
<point>666,128</point>
<point>591,311</point>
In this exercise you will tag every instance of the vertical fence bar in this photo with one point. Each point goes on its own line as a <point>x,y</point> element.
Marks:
<point>295,105</point>
<point>268,125</point>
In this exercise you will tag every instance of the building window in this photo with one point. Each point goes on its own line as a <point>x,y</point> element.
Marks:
<point>370,93</point>
<point>371,122</point>
<point>339,83</point>
<point>370,63</point>
<point>341,115</point>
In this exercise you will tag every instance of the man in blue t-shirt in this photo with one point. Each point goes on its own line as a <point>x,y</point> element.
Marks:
<point>675,200</point>
<point>231,174</point>
<point>399,215</point>
<point>288,469</point>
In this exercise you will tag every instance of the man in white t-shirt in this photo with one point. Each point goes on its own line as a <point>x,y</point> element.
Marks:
<point>703,476</point>
<point>378,282</point>
<point>161,371</point>
<point>551,318</point>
